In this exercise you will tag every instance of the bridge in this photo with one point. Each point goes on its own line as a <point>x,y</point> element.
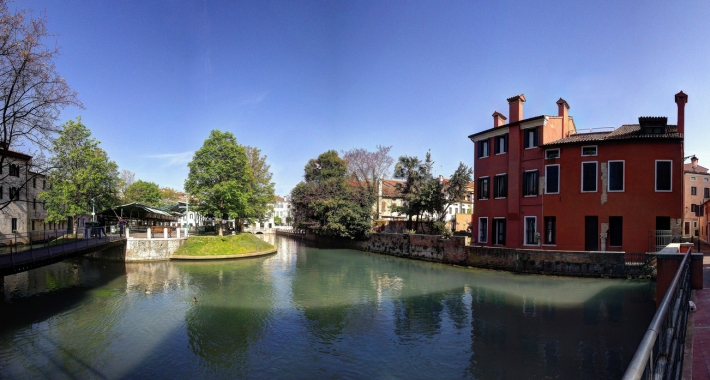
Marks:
<point>21,254</point>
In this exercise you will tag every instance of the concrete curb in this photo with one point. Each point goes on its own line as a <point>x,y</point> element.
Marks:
<point>223,257</point>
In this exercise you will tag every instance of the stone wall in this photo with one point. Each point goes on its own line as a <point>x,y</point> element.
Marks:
<point>456,251</point>
<point>151,249</point>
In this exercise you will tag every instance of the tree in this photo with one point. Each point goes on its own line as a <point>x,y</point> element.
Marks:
<point>278,221</point>
<point>144,192</point>
<point>126,179</point>
<point>83,175</point>
<point>262,189</point>
<point>168,196</point>
<point>328,202</point>
<point>368,168</point>
<point>220,177</point>
<point>428,198</point>
<point>32,93</point>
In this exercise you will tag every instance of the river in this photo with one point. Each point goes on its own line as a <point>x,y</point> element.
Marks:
<point>307,313</point>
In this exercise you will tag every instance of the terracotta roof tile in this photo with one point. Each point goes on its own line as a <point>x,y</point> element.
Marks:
<point>625,132</point>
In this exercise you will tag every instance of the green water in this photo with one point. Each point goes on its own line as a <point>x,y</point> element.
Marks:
<point>307,313</point>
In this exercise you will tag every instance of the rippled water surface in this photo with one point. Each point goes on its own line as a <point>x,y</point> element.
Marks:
<point>307,313</point>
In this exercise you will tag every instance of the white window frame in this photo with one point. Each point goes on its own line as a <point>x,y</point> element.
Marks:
<point>558,179</point>
<point>596,151</point>
<point>504,138</point>
<point>596,177</point>
<point>525,231</point>
<point>623,177</point>
<point>489,188</point>
<point>488,149</point>
<point>494,187</point>
<point>537,183</point>
<point>495,237</point>
<point>552,150</point>
<point>655,178</point>
<point>488,229</point>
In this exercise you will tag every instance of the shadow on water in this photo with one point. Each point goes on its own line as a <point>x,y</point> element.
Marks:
<point>44,292</point>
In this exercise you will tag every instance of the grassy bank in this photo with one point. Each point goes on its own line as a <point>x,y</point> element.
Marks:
<point>225,245</point>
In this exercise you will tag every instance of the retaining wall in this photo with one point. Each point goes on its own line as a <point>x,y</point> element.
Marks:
<point>151,249</point>
<point>455,250</point>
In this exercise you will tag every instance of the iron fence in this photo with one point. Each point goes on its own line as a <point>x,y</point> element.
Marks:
<point>660,354</point>
<point>25,241</point>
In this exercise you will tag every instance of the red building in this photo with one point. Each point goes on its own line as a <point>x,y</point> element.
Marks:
<point>541,184</point>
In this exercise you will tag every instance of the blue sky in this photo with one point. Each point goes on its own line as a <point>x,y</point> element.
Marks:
<point>298,78</point>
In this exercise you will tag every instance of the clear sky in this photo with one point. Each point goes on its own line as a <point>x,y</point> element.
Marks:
<point>298,78</point>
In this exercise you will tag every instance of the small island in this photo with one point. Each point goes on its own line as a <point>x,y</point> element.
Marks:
<point>222,247</point>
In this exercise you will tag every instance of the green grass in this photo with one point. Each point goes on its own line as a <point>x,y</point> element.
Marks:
<point>225,245</point>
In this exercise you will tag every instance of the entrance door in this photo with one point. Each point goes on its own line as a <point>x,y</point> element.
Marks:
<point>591,233</point>
<point>663,223</point>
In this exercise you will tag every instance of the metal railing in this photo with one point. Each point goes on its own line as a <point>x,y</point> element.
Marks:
<point>26,241</point>
<point>660,354</point>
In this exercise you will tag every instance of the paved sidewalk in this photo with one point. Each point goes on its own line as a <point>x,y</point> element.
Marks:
<point>700,335</point>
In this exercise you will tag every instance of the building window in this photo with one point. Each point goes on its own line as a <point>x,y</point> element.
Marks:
<point>531,138</point>
<point>615,230</point>
<point>705,180</point>
<point>692,178</point>
<point>589,177</point>
<point>501,144</point>
<point>589,150</point>
<point>552,179</point>
<point>664,171</point>
<point>1,192</point>
<point>550,230</point>
<point>34,182</point>
<point>14,194</point>
<point>44,184</point>
<point>552,154</point>
<point>483,187</point>
<point>14,170</point>
<point>693,190</point>
<point>530,183</point>
<point>616,176</point>
<point>694,208</point>
<point>530,230</point>
<point>500,186</point>
<point>706,193</point>
<point>499,231</point>
<point>483,148</point>
<point>34,204</point>
<point>695,224</point>
<point>483,230</point>
<point>14,224</point>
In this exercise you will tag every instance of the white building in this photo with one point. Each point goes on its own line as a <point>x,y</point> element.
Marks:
<point>281,211</point>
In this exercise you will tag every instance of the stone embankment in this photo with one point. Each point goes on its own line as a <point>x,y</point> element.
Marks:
<point>457,251</point>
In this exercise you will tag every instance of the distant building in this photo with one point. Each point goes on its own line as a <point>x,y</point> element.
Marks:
<point>281,213</point>
<point>697,192</point>
<point>542,184</point>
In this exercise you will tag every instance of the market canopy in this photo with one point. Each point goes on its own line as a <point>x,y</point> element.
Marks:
<point>138,211</point>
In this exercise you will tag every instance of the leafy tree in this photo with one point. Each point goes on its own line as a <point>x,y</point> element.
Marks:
<point>428,198</point>
<point>278,221</point>
<point>328,202</point>
<point>126,179</point>
<point>262,189</point>
<point>32,93</point>
<point>144,192</point>
<point>221,178</point>
<point>168,196</point>
<point>84,174</point>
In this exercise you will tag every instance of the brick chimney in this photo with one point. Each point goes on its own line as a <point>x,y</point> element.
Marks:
<point>498,119</point>
<point>694,162</point>
<point>516,107</point>
<point>680,100</point>
<point>562,111</point>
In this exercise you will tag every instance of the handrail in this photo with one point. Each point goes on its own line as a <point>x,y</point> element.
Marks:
<point>642,358</point>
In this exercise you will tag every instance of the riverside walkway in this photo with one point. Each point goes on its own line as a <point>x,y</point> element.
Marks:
<point>19,261</point>
<point>699,350</point>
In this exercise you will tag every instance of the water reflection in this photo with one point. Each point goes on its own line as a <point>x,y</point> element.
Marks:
<point>313,313</point>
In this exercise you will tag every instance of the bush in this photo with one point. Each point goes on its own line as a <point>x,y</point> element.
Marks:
<point>438,228</point>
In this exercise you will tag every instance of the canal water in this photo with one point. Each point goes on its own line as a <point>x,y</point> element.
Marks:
<point>307,313</point>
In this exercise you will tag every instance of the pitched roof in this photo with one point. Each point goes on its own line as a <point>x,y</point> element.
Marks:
<point>688,168</point>
<point>625,132</point>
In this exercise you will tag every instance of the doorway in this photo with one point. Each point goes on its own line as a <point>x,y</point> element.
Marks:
<point>591,233</point>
